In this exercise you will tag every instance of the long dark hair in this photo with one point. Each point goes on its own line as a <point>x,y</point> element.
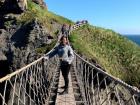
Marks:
<point>61,39</point>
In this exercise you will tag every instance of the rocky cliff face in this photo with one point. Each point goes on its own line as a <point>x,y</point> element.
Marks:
<point>40,2</point>
<point>17,6</point>
<point>21,37</point>
<point>18,42</point>
<point>12,6</point>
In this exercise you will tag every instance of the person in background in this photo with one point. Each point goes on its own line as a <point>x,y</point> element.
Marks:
<point>64,30</point>
<point>66,56</point>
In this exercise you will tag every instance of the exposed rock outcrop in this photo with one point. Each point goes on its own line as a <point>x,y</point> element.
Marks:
<point>12,6</point>
<point>41,3</point>
<point>17,6</point>
<point>19,43</point>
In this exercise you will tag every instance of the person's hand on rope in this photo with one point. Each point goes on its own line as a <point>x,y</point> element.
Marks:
<point>46,57</point>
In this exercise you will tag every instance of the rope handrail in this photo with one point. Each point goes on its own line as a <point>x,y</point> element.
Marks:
<point>109,75</point>
<point>25,67</point>
<point>102,71</point>
<point>97,87</point>
<point>20,70</point>
<point>31,83</point>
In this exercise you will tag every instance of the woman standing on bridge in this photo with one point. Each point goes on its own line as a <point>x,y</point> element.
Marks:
<point>66,56</point>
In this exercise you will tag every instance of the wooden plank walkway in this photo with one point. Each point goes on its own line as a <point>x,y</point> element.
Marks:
<point>66,99</point>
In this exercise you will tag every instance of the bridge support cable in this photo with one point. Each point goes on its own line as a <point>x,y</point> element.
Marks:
<point>99,88</point>
<point>29,85</point>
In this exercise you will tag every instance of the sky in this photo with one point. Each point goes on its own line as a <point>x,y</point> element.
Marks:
<point>123,16</point>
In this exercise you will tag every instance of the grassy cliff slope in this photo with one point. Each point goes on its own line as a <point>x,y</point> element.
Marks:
<point>116,54</point>
<point>45,17</point>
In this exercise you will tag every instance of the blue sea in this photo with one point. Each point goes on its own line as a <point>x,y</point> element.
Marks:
<point>134,38</point>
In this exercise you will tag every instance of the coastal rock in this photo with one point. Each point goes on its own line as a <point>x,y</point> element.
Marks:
<point>11,6</point>
<point>40,2</point>
<point>17,6</point>
<point>18,43</point>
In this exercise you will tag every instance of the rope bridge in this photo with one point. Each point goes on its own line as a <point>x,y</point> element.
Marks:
<point>99,88</point>
<point>29,85</point>
<point>37,84</point>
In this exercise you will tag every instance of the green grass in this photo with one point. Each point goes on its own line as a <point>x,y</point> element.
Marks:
<point>46,48</point>
<point>43,16</point>
<point>117,55</point>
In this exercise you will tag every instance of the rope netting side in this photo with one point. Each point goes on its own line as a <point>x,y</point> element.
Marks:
<point>100,88</point>
<point>29,85</point>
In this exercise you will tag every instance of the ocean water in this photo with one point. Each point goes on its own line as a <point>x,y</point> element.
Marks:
<point>134,38</point>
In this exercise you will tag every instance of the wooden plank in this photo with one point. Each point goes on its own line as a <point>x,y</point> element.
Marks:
<point>65,99</point>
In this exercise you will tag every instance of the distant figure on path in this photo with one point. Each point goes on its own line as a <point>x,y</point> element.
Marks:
<point>64,30</point>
